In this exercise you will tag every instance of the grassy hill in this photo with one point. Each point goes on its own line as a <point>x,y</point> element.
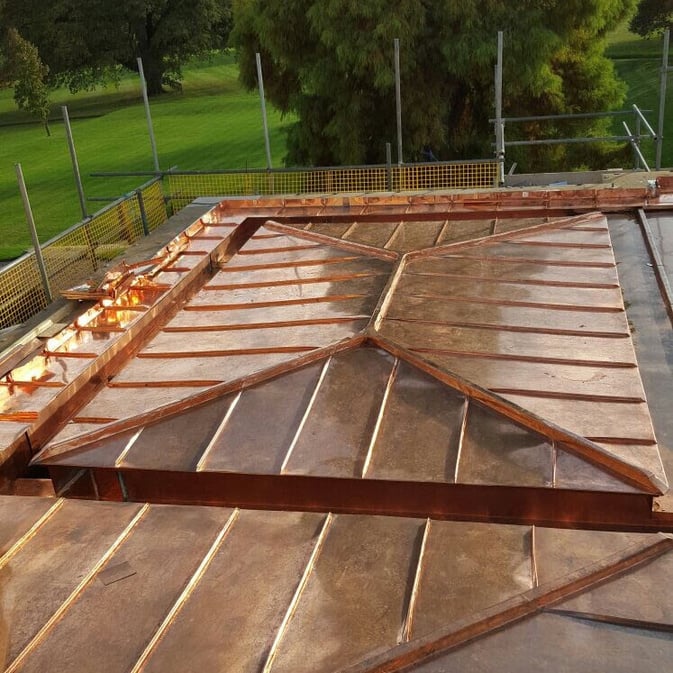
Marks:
<point>212,123</point>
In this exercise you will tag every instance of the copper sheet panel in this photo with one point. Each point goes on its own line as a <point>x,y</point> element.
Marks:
<point>179,442</point>
<point>371,233</point>
<point>463,263</point>
<point>411,236</point>
<point>313,336</point>
<point>233,615</point>
<point>261,259</point>
<point>572,236</point>
<point>562,552</point>
<point>635,595</point>
<point>436,286</point>
<point>348,308</point>
<point>504,223</point>
<point>334,229</point>
<point>104,453</point>
<point>283,293</point>
<point>51,564</point>
<point>592,419</point>
<point>17,515</point>
<point>495,451</point>
<point>336,435</point>
<point>562,645</point>
<point>510,318</point>
<point>553,378</point>
<point>531,345</point>
<point>419,432</point>
<point>265,419</point>
<point>573,472</point>
<point>542,253</point>
<point>464,230</point>
<point>197,368</point>
<point>165,549</point>
<point>125,402</point>
<point>356,597</point>
<point>453,586</point>
<point>346,268</point>
<point>643,456</point>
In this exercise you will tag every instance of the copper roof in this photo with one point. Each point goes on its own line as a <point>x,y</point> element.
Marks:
<point>463,363</point>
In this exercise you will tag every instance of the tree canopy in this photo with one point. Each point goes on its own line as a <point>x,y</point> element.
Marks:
<point>331,63</point>
<point>83,43</point>
<point>652,17</point>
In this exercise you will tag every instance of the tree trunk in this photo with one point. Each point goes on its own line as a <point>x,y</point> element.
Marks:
<point>154,73</point>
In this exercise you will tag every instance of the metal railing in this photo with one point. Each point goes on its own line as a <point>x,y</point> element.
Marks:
<point>72,256</point>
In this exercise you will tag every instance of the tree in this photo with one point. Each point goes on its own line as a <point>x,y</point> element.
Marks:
<point>331,63</point>
<point>652,17</point>
<point>84,43</point>
<point>21,68</point>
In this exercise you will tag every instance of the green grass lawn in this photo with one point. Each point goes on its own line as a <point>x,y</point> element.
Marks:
<point>212,123</point>
<point>638,63</point>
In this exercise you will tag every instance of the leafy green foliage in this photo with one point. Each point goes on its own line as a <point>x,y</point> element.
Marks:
<point>331,62</point>
<point>22,68</point>
<point>85,43</point>
<point>652,17</point>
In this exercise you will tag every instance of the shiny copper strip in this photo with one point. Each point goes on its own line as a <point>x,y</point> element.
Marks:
<point>271,251</point>
<point>268,664</point>
<point>30,533</point>
<point>217,433</point>
<point>18,416</point>
<point>296,281</point>
<point>269,304</point>
<point>224,353</point>
<point>267,325</point>
<point>533,559</point>
<point>658,627</point>
<point>120,458</point>
<point>407,624</point>
<point>288,265</point>
<point>166,383</point>
<point>527,358</point>
<point>307,413</point>
<point>461,438</point>
<point>550,244</point>
<point>513,328</point>
<point>186,593</point>
<point>515,281</point>
<point>524,304</point>
<point>392,236</point>
<point>352,246</point>
<point>63,608</point>
<point>524,260</point>
<point>379,418</point>
<point>616,399</point>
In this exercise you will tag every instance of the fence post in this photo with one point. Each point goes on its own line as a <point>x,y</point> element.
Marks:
<point>398,101</point>
<point>148,114</point>
<point>75,163</point>
<point>389,167</point>
<point>33,233</point>
<point>143,212</point>
<point>662,98</point>
<point>260,81</point>
<point>499,124</point>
